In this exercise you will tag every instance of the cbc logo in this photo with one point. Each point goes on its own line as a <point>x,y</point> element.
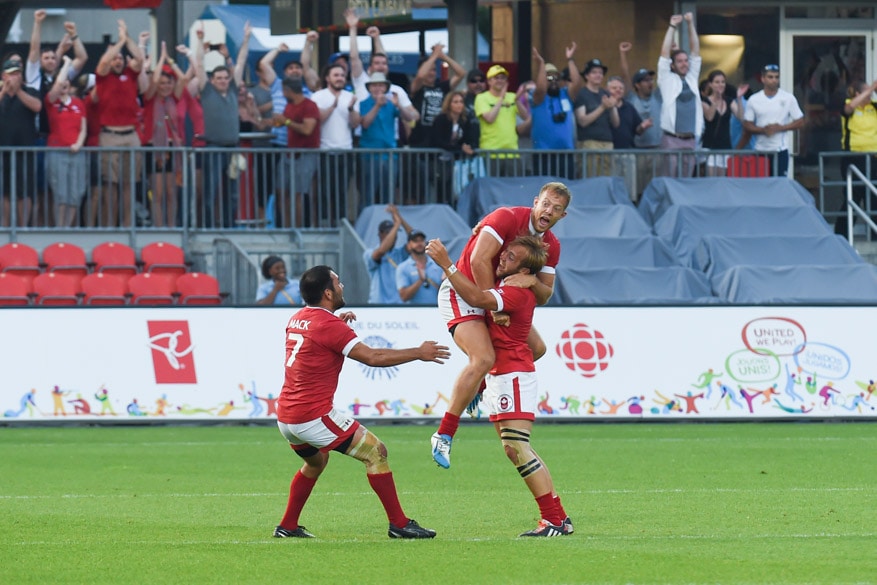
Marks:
<point>584,350</point>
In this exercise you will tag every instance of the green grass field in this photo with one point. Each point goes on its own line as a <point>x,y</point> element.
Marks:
<point>668,503</point>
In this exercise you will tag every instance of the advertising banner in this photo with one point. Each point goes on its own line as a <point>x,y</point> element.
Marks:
<point>203,363</point>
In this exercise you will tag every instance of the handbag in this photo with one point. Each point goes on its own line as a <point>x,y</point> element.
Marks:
<point>467,170</point>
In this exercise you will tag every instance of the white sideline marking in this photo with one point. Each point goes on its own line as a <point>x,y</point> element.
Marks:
<point>405,493</point>
<point>379,535</point>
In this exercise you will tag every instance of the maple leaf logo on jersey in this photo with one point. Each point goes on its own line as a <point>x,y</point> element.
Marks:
<point>172,352</point>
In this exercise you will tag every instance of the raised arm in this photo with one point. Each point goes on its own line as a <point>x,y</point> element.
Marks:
<point>311,77</point>
<point>862,98</point>
<point>55,92</point>
<point>266,63</point>
<point>137,55</point>
<point>389,239</point>
<point>197,61</point>
<point>458,73</point>
<point>423,70</point>
<point>624,48</point>
<point>80,55</point>
<point>242,55</point>
<point>670,35</point>
<point>103,66</point>
<point>693,41</point>
<point>33,55</point>
<point>467,289</point>
<point>541,79</point>
<point>576,83</point>
<point>352,19</point>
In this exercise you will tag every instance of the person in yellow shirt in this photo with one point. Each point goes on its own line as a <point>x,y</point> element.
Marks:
<point>498,111</point>
<point>858,135</point>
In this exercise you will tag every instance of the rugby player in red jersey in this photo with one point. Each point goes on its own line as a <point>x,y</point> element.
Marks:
<point>511,393</point>
<point>478,263</point>
<point>317,341</point>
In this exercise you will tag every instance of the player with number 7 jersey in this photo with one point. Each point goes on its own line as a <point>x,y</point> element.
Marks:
<point>317,341</point>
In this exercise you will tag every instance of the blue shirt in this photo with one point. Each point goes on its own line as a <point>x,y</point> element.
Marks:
<point>548,134</point>
<point>290,289</point>
<point>382,287</point>
<point>382,131</point>
<point>406,275</point>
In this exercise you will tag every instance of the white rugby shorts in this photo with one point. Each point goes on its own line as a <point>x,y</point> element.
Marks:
<point>511,396</point>
<point>453,309</point>
<point>324,433</point>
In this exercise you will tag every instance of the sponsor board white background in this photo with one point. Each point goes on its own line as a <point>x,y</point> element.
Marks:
<point>658,356</point>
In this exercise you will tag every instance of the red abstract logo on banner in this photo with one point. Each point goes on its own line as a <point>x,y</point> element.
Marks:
<point>172,356</point>
<point>584,350</point>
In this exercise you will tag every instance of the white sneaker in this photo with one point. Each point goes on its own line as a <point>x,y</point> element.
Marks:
<point>441,449</point>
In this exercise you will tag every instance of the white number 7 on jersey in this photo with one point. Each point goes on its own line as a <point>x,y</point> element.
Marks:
<point>297,339</point>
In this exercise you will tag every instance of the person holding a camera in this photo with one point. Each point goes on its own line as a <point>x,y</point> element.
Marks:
<point>552,111</point>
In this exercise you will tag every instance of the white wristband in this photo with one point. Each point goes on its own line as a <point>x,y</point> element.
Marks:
<point>451,270</point>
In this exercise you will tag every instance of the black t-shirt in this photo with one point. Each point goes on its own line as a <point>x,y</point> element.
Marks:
<point>428,103</point>
<point>17,122</point>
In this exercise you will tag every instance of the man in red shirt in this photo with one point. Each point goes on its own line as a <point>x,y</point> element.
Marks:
<point>511,395</point>
<point>119,111</point>
<point>317,342</point>
<point>478,262</point>
<point>302,120</point>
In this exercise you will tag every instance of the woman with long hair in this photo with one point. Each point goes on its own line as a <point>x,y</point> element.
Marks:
<point>717,110</point>
<point>452,133</point>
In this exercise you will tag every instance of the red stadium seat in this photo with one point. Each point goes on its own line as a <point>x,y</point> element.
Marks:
<point>13,290</point>
<point>20,259</point>
<point>150,289</point>
<point>164,258</point>
<point>67,259</point>
<point>104,289</point>
<point>197,288</point>
<point>114,258</point>
<point>52,288</point>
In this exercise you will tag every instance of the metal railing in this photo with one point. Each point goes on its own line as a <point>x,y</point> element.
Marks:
<point>853,208</point>
<point>208,189</point>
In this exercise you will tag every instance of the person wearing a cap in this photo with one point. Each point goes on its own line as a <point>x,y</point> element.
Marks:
<point>646,100</point>
<point>379,114</point>
<point>42,62</point>
<point>382,260</point>
<point>498,112</point>
<point>377,64</point>
<point>681,111</point>
<point>596,115</point>
<point>771,116</point>
<point>19,106</point>
<point>553,122</point>
<point>418,278</point>
<point>301,118</point>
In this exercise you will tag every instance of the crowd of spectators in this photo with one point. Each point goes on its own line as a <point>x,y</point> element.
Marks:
<point>354,119</point>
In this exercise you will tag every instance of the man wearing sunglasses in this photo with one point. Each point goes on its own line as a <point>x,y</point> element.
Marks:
<point>553,119</point>
<point>771,115</point>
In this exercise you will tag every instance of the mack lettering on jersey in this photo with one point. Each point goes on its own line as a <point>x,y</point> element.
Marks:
<point>299,324</point>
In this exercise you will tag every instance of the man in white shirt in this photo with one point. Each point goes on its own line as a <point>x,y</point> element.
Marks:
<point>681,112</point>
<point>339,115</point>
<point>771,115</point>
